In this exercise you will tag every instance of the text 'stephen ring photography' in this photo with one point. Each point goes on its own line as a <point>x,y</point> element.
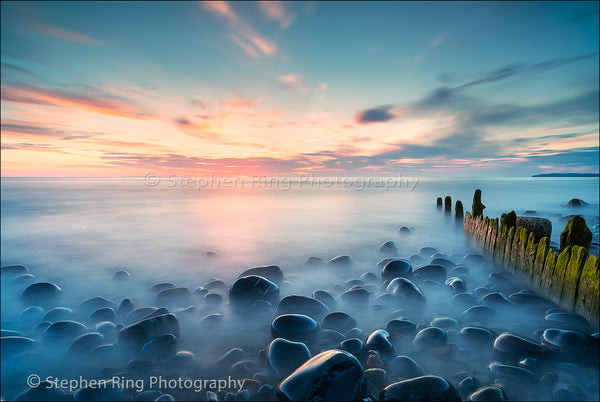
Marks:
<point>300,201</point>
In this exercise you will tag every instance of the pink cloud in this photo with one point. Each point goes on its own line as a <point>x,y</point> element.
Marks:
<point>275,11</point>
<point>66,34</point>
<point>293,82</point>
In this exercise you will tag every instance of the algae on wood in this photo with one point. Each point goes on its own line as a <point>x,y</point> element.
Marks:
<point>588,288</point>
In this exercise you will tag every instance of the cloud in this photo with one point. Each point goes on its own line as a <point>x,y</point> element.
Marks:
<point>240,103</point>
<point>294,83</point>
<point>275,11</point>
<point>65,34</point>
<point>378,114</point>
<point>241,32</point>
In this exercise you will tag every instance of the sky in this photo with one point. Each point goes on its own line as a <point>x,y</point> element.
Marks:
<point>97,89</point>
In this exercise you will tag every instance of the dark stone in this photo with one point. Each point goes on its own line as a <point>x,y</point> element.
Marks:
<point>430,337</point>
<point>456,284</point>
<point>10,271</point>
<point>530,299</point>
<point>352,345</point>
<point>576,233</point>
<point>479,313</point>
<point>103,314</point>
<point>174,295</point>
<point>314,261</point>
<point>403,367</point>
<point>379,341</point>
<point>512,372</point>
<point>272,272</point>
<point>458,210</point>
<point>401,326</point>
<point>567,321</point>
<point>93,304</point>
<point>395,268</point>
<point>247,290</point>
<point>369,277</point>
<point>125,307</point>
<point>139,333</point>
<point>439,202</point>
<point>510,343</point>
<point>488,394</point>
<point>569,341</point>
<point>468,385</point>
<point>296,304</point>
<point>508,220</point>
<point>357,296</point>
<point>161,286</point>
<point>425,388</point>
<point>389,247</point>
<point>477,336</point>
<point>121,275</point>
<point>447,204</point>
<point>213,298</point>
<point>341,261</point>
<point>407,291</point>
<point>496,299</point>
<point>16,345</point>
<point>294,327</point>
<point>86,343</point>
<point>431,271</point>
<point>41,292</point>
<point>326,298</point>
<point>338,321</point>
<point>576,202</point>
<point>161,347</point>
<point>478,207</point>
<point>58,314</point>
<point>427,252</point>
<point>443,261</point>
<point>286,356</point>
<point>333,375</point>
<point>464,299</point>
<point>445,323</point>
<point>540,227</point>
<point>216,284</point>
<point>64,331</point>
<point>404,230</point>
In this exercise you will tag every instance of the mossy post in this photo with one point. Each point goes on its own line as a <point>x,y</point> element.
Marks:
<point>540,258</point>
<point>572,274</point>
<point>558,277</point>
<point>458,210</point>
<point>509,220</point>
<point>448,204</point>
<point>439,202</point>
<point>576,233</point>
<point>587,295</point>
<point>478,207</point>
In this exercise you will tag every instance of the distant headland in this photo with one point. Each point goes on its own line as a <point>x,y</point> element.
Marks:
<point>567,175</point>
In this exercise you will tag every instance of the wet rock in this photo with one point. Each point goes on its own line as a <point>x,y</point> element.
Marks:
<point>333,375</point>
<point>540,227</point>
<point>433,272</point>
<point>512,372</point>
<point>285,356</point>
<point>379,341</point>
<point>459,210</point>
<point>444,262</point>
<point>94,303</point>
<point>427,252</point>
<point>369,277</point>
<point>159,287</point>
<point>401,327</point>
<point>85,343</point>
<point>489,393</point>
<point>103,314</point>
<point>341,261</point>
<point>407,291</point>
<point>125,307</point>
<point>314,261</point>
<point>57,314</point>
<point>338,321</point>
<point>439,202</point>
<point>403,367</point>
<point>215,284</point>
<point>229,358</point>
<point>468,385</point>
<point>10,271</point>
<point>330,338</point>
<point>139,333</point>
<point>430,337</point>
<point>107,329</point>
<point>395,269</point>
<point>214,298</point>
<point>209,321</point>
<point>456,284</point>
<point>121,275</point>
<point>45,391</point>
<point>8,332</point>
<point>16,345</point>
<point>352,345</point>
<point>478,207</point>
<point>389,247</point>
<point>530,299</point>
<point>570,341</point>
<point>424,388</point>
<point>481,314</point>
<point>294,327</point>
<point>477,336</point>
<point>381,263</point>
<point>464,299</point>
<point>161,347</point>
<point>496,299</point>
<point>445,323</point>
<point>31,314</point>
<point>272,273</point>
<point>510,343</point>
<point>64,331</point>
<point>247,290</point>
<point>416,260</point>
<point>376,376</point>
<point>156,313</point>
<point>41,293</point>
<point>296,304</point>
<point>404,230</point>
<point>567,321</point>
<point>326,298</point>
<point>357,296</point>
<point>576,202</point>
<point>178,295</point>
<point>576,233</point>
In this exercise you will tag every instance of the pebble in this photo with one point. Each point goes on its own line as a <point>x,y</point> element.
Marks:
<point>427,252</point>
<point>338,321</point>
<point>178,295</point>
<point>424,388</point>
<point>401,327</point>
<point>285,356</point>
<point>125,307</point>
<point>433,272</point>
<point>468,385</point>
<point>161,347</point>
<point>464,299</point>
<point>407,291</point>
<point>216,298</point>
<point>510,343</point>
<point>247,290</point>
<point>41,292</point>
<point>444,262</point>
<point>294,327</point>
<point>477,336</point>
<point>356,296</point>
<point>85,343</point>
<point>512,372</point>
<point>57,314</point>
<point>567,321</point>
<point>64,331</point>
<point>94,303</point>
<point>430,337</point>
<point>333,375</point>
<point>31,314</point>
<point>16,345</point>
<point>103,314</point>
<point>161,286</point>
<point>456,284</point>
<point>403,367</point>
<point>570,341</point>
<point>9,271</point>
<point>296,304</point>
<point>488,394</point>
<point>326,298</point>
<point>139,333</point>
<point>341,261</point>
<point>121,275</point>
<point>395,269</point>
<point>496,299</point>
<point>272,273</point>
<point>352,345</point>
<point>389,247</point>
<point>478,314</point>
<point>314,261</point>
<point>379,340</point>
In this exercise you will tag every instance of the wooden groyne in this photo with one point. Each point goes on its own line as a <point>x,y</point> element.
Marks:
<point>569,277</point>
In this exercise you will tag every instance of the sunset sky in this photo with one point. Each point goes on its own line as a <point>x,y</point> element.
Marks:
<point>280,88</point>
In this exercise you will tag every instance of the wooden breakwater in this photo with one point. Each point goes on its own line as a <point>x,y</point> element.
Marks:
<point>570,278</point>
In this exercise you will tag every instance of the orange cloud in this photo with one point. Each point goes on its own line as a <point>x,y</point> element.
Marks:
<point>66,34</point>
<point>275,11</point>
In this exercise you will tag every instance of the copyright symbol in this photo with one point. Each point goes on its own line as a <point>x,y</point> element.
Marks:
<point>152,179</point>
<point>33,381</point>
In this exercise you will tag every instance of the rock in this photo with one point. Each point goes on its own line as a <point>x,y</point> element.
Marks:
<point>139,333</point>
<point>478,207</point>
<point>489,393</point>
<point>10,271</point>
<point>161,286</point>
<point>433,272</point>
<point>576,233</point>
<point>445,323</point>
<point>355,295</point>
<point>530,299</point>
<point>16,345</point>
<point>458,210</point>
<point>125,307</point>
<point>296,304</point>
<point>395,269</point>
<point>430,337</point>
<point>443,261</point>
<point>468,385</point>
<point>369,277</point>
<point>479,313</point>
<point>354,333</point>
<point>447,203</point>
<point>464,299</point>
<point>208,322</point>
<point>424,388</point>
<point>403,367</point>
<point>41,293</point>
<point>178,295</point>
<point>496,299</point>
<point>85,343</point>
<point>338,321</point>
<point>156,313</point>
<point>103,314</point>
<point>379,341</point>
<point>510,343</point>
<point>45,391</point>
<point>107,329</point>
<point>401,327</point>
<point>569,341</point>
<point>381,263</point>
<point>439,202</point>
<point>64,331</point>
<point>140,313</point>
<point>94,303</point>
<point>229,358</point>
<point>407,291</point>
<point>567,321</point>
<point>216,284</point>
<point>57,314</point>
<point>294,327</point>
<point>214,298</point>
<point>540,227</point>
<point>161,347</point>
<point>389,247</point>
<point>333,375</point>
<point>404,230</point>
<point>247,290</point>
<point>121,275</point>
<point>508,220</point>
<point>427,252</point>
<point>341,261</point>
<point>31,314</point>
<point>272,273</point>
<point>477,336</point>
<point>330,339</point>
<point>325,298</point>
<point>576,202</point>
<point>314,261</point>
<point>285,356</point>
<point>513,372</point>
<point>456,284</point>
<point>352,345</point>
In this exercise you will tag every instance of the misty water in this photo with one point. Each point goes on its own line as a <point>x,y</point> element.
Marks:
<point>76,233</point>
